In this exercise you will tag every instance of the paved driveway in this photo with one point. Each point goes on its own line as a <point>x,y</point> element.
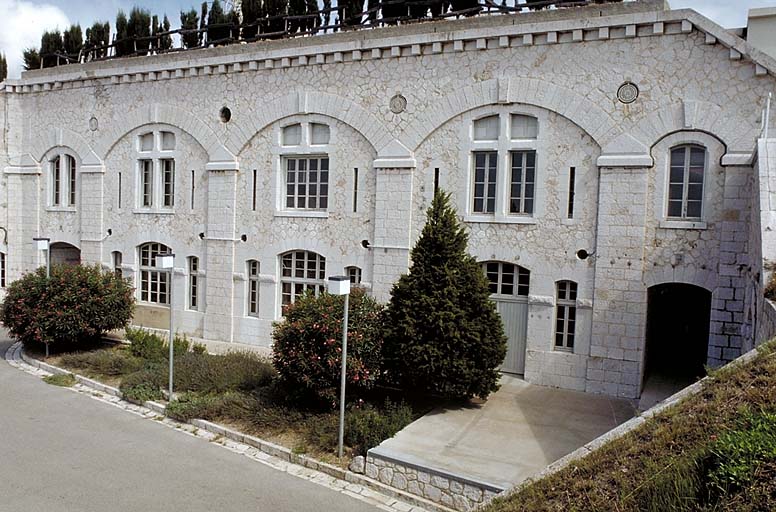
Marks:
<point>519,431</point>
<point>60,450</point>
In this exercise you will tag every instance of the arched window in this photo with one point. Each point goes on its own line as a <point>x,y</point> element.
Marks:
<point>507,279</point>
<point>301,271</point>
<point>154,282</point>
<point>254,269</point>
<point>62,180</point>
<point>685,182</point>
<point>354,273</point>
<point>117,261</point>
<point>565,314</point>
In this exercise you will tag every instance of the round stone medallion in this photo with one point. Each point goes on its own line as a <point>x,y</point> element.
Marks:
<point>627,93</point>
<point>93,124</point>
<point>398,104</point>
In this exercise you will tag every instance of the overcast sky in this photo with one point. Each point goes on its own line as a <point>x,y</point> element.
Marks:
<point>23,21</point>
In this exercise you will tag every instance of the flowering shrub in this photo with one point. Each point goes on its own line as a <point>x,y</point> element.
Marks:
<point>308,344</point>
<point>76,305</point>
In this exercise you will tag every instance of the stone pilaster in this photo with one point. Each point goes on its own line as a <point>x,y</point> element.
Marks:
<point>620,301</point>
<point>22,187</point>
<point>220,249</point>
<point>394,169</point>
<point>91,208</point>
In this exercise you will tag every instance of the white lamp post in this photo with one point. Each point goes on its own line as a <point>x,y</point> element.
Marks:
<point>167,261</point>
<point>340,285</point>
<point>42,244</point>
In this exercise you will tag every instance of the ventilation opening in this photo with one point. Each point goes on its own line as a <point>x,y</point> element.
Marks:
<point>226,114</point>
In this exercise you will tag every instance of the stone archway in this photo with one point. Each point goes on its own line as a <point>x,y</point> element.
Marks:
<point>62,253</point>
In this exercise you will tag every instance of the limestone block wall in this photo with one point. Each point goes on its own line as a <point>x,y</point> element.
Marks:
<point>695,83</point>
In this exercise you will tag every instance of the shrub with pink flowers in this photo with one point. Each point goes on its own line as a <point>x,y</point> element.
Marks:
<point>308,344</point>
<point>75,306</point>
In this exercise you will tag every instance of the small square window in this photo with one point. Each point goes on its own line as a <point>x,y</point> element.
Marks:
<point>168,141</point>
<point>319,134</point>
<point>524,127</point>
<point>147,142</point>
<point>292,135</point>
<point>486,129</point>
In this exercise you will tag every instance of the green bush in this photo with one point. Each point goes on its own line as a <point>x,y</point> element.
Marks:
<point>443,333</point>
<point>66,380</point>
<point>144,385</point>
<point>75,306</point>
<point>152,347</point>
<point>368,426</point>
<point>308,344</point>
<point>737,454</point>
<point>206,373</point>
<point>103,362</point>
<point>230,405</point>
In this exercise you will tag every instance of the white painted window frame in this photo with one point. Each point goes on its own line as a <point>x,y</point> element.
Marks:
<point>157,156</point>
<point>68,181</point>
<point>154,275</point>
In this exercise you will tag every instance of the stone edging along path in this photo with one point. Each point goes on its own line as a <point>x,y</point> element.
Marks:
<point>281,458</point>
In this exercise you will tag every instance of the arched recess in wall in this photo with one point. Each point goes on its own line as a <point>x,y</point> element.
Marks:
<point>691,116</point>
<point>308,102</point>
<point>587,114</point>
<point>166,114</point>
<point>703,278</point>
<point>62,137</point>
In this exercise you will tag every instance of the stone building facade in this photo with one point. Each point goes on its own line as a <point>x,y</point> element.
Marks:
<point>598,155</point>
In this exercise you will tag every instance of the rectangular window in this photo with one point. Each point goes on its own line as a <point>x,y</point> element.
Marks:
<point>685,184</point>
<point>117,260</point>
<point>521,191</point>
<point>193,185</point>
<point>253,288</point>
<point>436,180</point>
<point>147,182</point>
<point>119,191</point>
<point>253,199</point>
<point>168,182</point>
<point>307,183</point>
<point>2,270</point>
<point>56,181</point>
<point>355,189</point>
<point>566,315</point>
<point>71,180</point>
<point>572,191</point>
<point>354,273</point>
<point>193,282</point>
<point>485,174</point>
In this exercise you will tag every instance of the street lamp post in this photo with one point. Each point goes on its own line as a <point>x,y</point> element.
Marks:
<point>340,285</point>
<point>44,244</point>
<point>167,261</point>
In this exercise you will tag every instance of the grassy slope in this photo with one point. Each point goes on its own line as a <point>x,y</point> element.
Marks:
<point>662,465</point>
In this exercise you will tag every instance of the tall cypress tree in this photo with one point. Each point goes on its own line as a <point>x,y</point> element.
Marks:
<point>73,42</point>
<point>3,67</point>
<point>165,41</point>
<point>123,44</point>
<point>252,12</point>
<point>443,333</point>
<point>52,48</point>
<point>31,58</point>
<point>190,22</point>
<point>97,37</point>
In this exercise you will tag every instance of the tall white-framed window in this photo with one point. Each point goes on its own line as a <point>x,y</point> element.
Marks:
<point>154,282</point>
<point>503,166</point>
<point>63,180</point>
<point>254,269</point>
<point>2,270</point>
<point>300,272</point>
<point>304,163</point>
<point>687,169</point>
<point>565,315</point>
<point>117,258</point>
<point>354,273</point>
<point>156,154</point>
<point>193,274</point>
<point>507,279</point>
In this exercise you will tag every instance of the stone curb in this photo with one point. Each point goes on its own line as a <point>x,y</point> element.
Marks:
<point>267,447</point>
<point>621,430</point>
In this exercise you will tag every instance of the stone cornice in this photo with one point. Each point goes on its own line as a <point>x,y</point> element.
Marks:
<point>476,34</point>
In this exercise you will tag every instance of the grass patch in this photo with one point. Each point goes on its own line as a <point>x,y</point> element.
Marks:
<point>66,380</point>
<point>713,452</point>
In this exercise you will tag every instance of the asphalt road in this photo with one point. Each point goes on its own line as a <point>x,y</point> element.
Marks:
<point>62,451</point>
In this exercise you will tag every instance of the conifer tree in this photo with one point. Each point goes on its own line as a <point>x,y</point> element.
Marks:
<point>3,67</point>
<point>139,30</point>
<point>203,25</point>
<point>73,41</point>
<point>51,48</point>
<point>217,19</point>
<point>31,58</point>
<point>443,333</point>
<point>252,12</point>
<point>123,44</point>
<point>165,40</point>
<point>97,37</point>
<point>190,21</point>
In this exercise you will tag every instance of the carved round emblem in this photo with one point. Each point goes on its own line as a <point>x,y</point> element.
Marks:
<point>398,104</point>
<point>627,93</point>
<point>93,124</point>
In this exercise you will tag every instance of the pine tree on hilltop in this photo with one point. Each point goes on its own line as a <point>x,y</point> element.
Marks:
<point>443,333</point>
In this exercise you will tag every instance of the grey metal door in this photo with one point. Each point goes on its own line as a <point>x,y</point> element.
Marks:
<point>514,314</point>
